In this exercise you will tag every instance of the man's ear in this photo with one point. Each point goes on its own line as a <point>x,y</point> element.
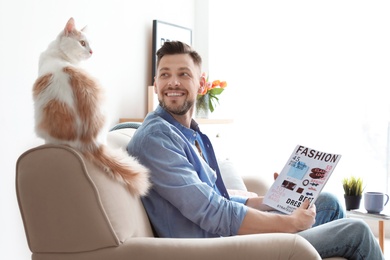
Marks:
<point>202,84</point>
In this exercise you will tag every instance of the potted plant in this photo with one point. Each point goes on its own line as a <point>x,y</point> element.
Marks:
<point>353,190</point>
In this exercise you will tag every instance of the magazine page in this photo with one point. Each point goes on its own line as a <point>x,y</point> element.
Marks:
<point>303,177</point>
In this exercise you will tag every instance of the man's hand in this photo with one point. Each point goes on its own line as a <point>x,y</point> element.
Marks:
<point>303,217</point>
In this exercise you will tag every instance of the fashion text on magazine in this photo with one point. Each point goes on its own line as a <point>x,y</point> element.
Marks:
<point>303,177</point>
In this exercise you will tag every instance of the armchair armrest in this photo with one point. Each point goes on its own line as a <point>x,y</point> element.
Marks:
<point>250,247</point>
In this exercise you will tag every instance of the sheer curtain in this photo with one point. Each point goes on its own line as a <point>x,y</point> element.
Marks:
<point>314,73</point>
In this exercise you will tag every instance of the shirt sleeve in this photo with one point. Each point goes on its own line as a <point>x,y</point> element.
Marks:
<point>177,176</point>
<point>239,199</point>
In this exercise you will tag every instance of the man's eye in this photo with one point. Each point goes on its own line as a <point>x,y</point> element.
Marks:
<point>82,43</point>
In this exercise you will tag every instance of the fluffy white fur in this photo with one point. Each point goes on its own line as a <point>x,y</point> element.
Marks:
<point>68,104</point>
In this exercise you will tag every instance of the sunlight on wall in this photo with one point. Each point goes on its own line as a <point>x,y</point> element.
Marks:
<point>305,72</point>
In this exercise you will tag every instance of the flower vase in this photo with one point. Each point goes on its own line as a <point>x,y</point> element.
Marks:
<point>202,106</point>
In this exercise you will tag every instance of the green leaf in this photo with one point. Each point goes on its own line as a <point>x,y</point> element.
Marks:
<point>213,101</point>
<point>216,91</point>
<point>212,98</point>
<point>353,186</point>
<point>211,107</point>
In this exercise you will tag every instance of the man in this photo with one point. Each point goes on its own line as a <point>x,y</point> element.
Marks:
<point>188,197</point>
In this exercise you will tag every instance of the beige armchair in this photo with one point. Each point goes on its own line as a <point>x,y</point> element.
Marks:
<point>73,210</point>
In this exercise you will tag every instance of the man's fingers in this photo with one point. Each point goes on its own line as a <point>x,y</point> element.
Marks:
<point>305,204</point>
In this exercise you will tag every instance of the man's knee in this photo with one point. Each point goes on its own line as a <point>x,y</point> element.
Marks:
<point>355,224</point>
<point>328,208</point>
<point>328,201</point>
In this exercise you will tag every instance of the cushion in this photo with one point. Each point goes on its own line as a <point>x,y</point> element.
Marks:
<point>230,175</point>
<point>120,137</point>
<point>126,125</point>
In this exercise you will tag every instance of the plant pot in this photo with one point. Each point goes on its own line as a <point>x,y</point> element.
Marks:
<point>352,202</point>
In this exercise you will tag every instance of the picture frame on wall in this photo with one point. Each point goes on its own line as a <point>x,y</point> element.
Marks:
<point>165,32</point>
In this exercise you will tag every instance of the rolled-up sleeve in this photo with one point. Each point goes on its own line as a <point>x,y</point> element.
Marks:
<point>239,199</point>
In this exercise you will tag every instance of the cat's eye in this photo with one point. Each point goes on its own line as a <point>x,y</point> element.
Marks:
<point>82,43</point>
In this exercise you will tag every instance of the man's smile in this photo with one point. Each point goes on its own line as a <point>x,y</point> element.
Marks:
<point>174,94</point>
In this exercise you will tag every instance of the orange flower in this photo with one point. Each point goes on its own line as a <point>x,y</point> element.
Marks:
<point>213,89</point>
<point>215,83</point>
<point>223,84</point>
<point>204,91</point>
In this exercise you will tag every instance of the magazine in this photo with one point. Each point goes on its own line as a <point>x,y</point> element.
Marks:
<point>303,177</point>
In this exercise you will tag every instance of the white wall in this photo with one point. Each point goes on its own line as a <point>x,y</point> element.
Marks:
<point>314,73</point>
<point>121,33</point>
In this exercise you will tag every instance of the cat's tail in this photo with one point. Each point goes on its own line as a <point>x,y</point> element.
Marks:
<point>123,167</point>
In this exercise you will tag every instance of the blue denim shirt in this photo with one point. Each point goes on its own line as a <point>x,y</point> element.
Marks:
<point>186,200</point>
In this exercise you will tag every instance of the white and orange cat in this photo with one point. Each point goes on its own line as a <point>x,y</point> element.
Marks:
<point>68,104</point>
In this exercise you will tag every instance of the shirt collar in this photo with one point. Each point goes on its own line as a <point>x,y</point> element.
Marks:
<point>190,133</point>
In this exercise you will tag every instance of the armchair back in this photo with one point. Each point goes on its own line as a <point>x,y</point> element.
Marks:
<point>69,205</point>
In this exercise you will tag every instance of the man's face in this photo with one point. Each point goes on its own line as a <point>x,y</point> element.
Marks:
<point>177,83</point>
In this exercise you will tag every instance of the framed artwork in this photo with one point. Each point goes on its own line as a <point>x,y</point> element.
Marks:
<point>165,32</point>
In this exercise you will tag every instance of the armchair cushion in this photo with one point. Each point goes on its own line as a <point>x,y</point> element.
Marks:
<point>249,247</point>
<point>120,136</point>
<point>230,175</point>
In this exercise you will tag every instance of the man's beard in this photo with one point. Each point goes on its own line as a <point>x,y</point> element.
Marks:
<point>182,110</point>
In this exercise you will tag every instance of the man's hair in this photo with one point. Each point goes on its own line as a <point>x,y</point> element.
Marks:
<point>177,47</point>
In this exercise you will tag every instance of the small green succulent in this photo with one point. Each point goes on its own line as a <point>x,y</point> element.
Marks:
<point>353,186</point>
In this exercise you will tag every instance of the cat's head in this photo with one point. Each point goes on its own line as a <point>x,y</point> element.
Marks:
<point>74,43</point>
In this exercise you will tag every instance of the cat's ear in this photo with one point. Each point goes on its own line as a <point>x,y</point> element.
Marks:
<point>69,27</point>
